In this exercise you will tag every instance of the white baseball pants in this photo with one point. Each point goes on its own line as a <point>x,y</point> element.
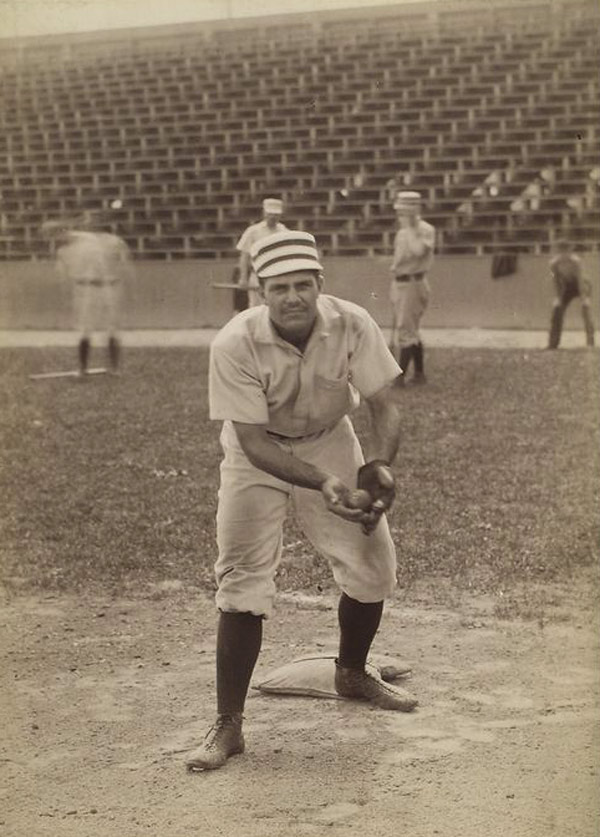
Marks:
<point>251,510</point>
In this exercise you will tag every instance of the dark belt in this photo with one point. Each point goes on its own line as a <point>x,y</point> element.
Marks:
<point>281,438</point>
<point>97,283</point>
<point>406,277</point>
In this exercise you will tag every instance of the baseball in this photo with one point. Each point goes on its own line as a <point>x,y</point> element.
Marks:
<point>359,499</point>
<point>116,204</point>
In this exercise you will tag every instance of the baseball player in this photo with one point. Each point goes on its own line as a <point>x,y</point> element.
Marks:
<point>413,255</point>
<point>95,263</point>
<point>271,222</point>
<point>568,283</point>
<point>284,377</point>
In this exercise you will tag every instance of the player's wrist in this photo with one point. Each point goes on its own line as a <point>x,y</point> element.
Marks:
<point>324,479</point>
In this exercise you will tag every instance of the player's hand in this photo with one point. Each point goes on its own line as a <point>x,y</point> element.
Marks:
<point>377,479</point>
<point>373,516</point>
<point>338,499</point>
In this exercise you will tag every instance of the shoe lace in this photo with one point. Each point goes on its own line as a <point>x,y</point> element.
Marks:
<point>375,679</point>
<point>222,723</point>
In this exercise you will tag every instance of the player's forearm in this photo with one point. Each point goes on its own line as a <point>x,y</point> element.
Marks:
<point>420,249</point>
<point>414,248</point>
<point>416,245</point>
<point>400,255</point>
<point>268,456</point>
<point>244,269</point>
<point>385,431</point>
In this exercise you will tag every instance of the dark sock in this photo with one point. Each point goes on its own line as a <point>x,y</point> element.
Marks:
<point>418,358</point>
<point>114,351</point>
<point>84,353</point>
<point>555,328</point>
<point>405,355</point>
<point>358,625</point>
<point>589,324</point>
<point>239,638</point>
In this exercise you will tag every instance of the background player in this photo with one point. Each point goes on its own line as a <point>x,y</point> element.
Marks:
<point>95,264</point>
<point>271,222</point>
<point>413,256</point>
<point>283,379</point>
<point>568,283</point>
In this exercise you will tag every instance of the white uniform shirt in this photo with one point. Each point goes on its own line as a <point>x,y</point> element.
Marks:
<point>92,256</point>
<point>256,377</point>
<point>410,256</point>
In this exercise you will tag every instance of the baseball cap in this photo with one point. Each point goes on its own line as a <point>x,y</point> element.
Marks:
<point>407,200</point>
<point>285,252</point>
<point>273,205</point>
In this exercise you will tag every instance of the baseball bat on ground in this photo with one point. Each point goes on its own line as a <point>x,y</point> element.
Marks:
<point>228,286</point>
<point>73,373</point>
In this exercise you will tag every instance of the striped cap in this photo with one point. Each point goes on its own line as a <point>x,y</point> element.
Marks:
<point>285,252</point>
<point>407,200</point>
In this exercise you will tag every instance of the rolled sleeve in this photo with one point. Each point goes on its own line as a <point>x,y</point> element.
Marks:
<point>234,391</point>
<point>245,242</point>
<point>372,365</point>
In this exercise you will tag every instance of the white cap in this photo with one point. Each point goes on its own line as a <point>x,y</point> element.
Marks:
<point>273,205</point>
<point>285,252</point>
<point>408,200</point>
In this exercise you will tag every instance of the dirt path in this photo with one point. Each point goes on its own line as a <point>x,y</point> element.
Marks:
<point>433,337</point>
<point>102,697</point>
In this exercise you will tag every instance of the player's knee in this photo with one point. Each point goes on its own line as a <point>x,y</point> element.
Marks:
<point>256,600</point>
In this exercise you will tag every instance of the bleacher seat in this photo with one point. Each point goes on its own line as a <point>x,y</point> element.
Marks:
<point>191,128</point>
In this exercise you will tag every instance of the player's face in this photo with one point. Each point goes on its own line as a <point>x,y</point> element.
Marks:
<point>272,219</point>
<point>407,217</point>
<point>292,302</point>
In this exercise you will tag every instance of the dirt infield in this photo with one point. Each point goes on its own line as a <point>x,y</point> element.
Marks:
<point>104,697</point>
<point>107,660</point>
<point>434,337</point>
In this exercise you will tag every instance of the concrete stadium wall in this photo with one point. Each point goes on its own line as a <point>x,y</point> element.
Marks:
<point>178,294</point>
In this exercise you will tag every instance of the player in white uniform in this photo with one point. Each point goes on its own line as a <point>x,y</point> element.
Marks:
<point>95,264</point>
<point>409,293</point>
<point>283,378</point>
<point>271,223</point>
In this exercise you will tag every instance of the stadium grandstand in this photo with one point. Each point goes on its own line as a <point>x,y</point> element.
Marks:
<point>175,134</point>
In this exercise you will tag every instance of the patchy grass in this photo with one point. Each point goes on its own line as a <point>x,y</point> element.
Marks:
<point>111,483</point>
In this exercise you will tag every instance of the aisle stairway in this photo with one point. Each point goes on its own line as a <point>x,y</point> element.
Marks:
<point>189,128</point>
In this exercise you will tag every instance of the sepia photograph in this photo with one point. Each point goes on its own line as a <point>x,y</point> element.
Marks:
<point>300,418</point>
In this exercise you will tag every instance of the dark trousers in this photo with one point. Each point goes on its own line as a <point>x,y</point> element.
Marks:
<point>558,315</point>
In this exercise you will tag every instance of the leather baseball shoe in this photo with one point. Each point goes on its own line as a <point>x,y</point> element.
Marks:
<point>224,739</point>
<point>368,685</point>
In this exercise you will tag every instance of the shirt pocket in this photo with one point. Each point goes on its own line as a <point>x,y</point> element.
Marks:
<point>332,399</point>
